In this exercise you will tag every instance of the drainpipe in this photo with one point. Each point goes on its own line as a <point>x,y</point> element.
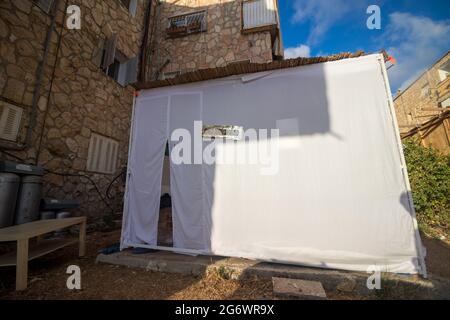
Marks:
<point>52,79</point>
<point>143,57</point>
<point>37,90</point>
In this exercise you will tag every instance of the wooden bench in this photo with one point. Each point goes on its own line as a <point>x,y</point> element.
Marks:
<point>24,253</point>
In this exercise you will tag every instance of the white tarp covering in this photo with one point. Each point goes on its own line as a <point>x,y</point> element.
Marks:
<point>336,197</point>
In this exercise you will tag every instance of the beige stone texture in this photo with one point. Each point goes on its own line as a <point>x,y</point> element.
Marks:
<point>420,102</point>
<point>220,44</point>
<point>83,98</point>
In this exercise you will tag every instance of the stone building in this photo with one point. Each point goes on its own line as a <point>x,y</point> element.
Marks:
<point>65,93</point>
<point>427,100</point>
<point>62,107</point>
<point>196,34</point>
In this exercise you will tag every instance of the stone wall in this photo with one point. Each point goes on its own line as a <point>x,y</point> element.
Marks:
<point>220,44</point>
<point>420,102</point>
<point>82,99</point>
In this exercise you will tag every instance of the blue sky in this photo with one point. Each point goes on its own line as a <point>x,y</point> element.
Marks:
<point>415,32</point>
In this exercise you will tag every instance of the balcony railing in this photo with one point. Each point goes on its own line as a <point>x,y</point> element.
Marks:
<point>186,24</point>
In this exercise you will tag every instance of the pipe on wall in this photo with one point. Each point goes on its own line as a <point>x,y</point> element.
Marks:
<point>37,90</point>
<point>144,46</point>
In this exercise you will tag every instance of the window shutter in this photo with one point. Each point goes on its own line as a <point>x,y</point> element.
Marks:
<point>102,154</point>
<point>110,51</point>
<point>133,7</point>
<point>10,117</point>
<point>98,53</point>
<point>132,66</point>
<point>259,13</point>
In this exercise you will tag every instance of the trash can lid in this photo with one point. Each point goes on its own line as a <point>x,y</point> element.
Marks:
<point>32,179</point>
<point>9,177</point>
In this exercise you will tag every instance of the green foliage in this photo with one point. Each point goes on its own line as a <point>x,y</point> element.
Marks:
<point>225,273</point>
<point>429,174</point>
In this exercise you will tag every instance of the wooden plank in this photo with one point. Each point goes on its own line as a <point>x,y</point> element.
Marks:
<point>36,228</point>
<point>433,109</point>
<point>40,249</point>
<point>259,29</point>
<point>22,264</point>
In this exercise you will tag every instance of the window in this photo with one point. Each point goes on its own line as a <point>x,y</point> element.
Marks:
<point>10,117</point>
<point>443,75</point>
<point>224,132</point>
<point>45,5</point>
<point>186,24</point>
<point>130,5</point>
<point>445,103</point>
<point>102,154</point>
<point>444,71</point>
<point>116,65</point>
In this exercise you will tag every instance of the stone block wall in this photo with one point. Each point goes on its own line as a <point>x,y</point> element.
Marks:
<point>420,102</point>
<point>77,98</point>
<point>222,42</point>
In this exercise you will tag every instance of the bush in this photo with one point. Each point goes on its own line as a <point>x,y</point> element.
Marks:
<point>429,174</point>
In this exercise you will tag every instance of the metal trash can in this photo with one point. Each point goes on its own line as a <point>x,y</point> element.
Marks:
<point>47,215</point>
<point>9,187</point>
<point>28,200</point>
<point>62,215</point>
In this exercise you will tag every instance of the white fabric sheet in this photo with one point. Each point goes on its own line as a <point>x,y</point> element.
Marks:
<point>339,200</point>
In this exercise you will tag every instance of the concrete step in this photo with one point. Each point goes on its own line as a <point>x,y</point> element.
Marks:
<point>235,268</point>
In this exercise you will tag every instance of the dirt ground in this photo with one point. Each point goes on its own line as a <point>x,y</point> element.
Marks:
<point>47,278</point>
<point>438,256</point>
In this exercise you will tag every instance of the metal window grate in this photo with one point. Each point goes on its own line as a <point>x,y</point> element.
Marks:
<point>102,154</point>
<point>193,22</point>
<point>10,117</point>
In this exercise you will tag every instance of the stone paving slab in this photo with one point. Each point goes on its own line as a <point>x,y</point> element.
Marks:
<point>298,289</point>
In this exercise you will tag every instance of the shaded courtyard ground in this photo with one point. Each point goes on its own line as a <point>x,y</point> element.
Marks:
<point>47,278</point>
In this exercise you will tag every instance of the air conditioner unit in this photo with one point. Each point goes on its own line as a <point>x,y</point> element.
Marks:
<point>10,117</point>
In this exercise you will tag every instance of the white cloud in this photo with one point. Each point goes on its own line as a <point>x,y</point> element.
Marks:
<point>301,50</point>
<point>416,42</point>
<point>323,14</point>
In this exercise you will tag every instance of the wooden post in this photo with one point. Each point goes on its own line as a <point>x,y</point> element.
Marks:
<point>22,264</point>
<point>82,239</point>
